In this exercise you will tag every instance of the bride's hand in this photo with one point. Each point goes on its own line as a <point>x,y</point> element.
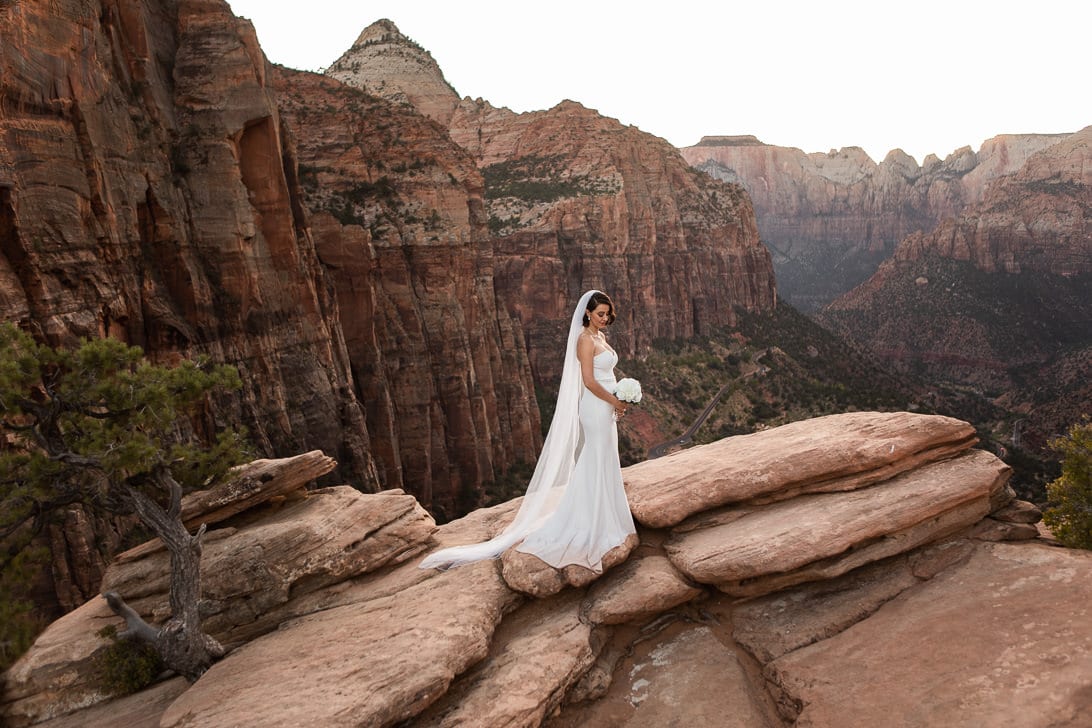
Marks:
<point>619,408</point>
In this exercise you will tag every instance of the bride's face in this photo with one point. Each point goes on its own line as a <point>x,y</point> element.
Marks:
<point>599,318</point>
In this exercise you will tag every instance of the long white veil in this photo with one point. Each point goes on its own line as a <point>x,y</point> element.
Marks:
<point>552,472</point>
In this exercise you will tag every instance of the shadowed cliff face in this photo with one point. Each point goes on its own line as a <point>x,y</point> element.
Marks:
<point>575,201</point>
<point>831,219</point>
<point>149,191</point>
<point>399,226</point>
<point>579,201</point>
<point>997,298</point>
<point>145,197</point>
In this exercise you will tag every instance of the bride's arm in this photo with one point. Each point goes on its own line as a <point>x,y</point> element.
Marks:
<point>585,354</point>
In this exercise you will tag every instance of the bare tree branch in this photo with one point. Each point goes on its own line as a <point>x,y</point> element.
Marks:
<point>135,626</point>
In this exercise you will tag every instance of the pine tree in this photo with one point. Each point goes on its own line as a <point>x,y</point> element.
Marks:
<point>102,427</point>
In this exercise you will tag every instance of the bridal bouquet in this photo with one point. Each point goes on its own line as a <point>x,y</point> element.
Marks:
<point>628,390</point>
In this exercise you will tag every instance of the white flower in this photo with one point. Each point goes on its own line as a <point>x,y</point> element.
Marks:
<point>628,390</point>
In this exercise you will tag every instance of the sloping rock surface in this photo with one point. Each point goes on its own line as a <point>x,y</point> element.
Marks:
<point>773,613</point>
<point>358,664</point>
<point>821,536</point>
<point>837,452</point>
<point>251,571</point>
<point>976,645</point>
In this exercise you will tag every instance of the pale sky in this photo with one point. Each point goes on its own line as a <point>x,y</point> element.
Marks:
<point>927,76</point>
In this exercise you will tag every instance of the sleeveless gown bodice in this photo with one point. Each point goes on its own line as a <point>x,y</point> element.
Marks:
<point>593,516</point>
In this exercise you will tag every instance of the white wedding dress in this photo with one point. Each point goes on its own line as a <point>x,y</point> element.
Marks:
<point>593,516</point>
<point>575,508</point>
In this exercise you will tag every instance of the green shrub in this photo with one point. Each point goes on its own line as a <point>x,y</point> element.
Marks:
<point>126,666</point>
<point>20,621</point>
<point>1070,495</point>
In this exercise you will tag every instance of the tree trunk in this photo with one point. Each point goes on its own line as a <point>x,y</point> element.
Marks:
<point>180,642</point>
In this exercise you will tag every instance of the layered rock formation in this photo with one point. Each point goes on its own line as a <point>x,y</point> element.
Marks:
<point>998,297</point>
<point>832,218</point>
<point>389,65</point>
<point>399,227</point>
<point>873,572</point>
<point>150,189</point>
<point>579,201</point>
<point>144,196</point>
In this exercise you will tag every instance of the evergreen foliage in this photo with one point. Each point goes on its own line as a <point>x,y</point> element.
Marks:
<point>1070,515</point>
<point>126,666</point>
<point>97,426</point>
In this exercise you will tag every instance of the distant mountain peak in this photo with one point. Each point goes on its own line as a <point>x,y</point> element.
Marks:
<point>740,140</point>
<point>388,64</point>
<point>378,29</point>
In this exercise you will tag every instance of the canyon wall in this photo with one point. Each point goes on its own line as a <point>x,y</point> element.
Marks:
<point>579,201</point>
<point>576,200</point>
<point>149,191</point>
<point>831,219</point>
<point>144,195</point>
<point>399,226</point>
<point>997,298</point>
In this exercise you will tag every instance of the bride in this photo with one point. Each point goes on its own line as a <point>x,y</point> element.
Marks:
<point>575,508</point>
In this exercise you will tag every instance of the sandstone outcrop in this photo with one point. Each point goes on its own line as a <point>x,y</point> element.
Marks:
<point>995,299</point>
<point>771,547</point>
<point>399,226</point>
<point>640,589</point>
<point>833,453</point>
<point>529,575</point>
<point>160,183</point>
<point>389,65</point>
<point>969,656</point>
<point>832,218</point>
<point>575,201</point>
<point>812,595</point>
<point>253,566</point>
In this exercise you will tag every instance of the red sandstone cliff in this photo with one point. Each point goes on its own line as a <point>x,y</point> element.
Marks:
<point>399,227</point>
<point>576,201</point>
<point>149,191</point>
<point>580,201</point>
<point>143,195</point>
<point>997,298</point>
<point>832,218</point>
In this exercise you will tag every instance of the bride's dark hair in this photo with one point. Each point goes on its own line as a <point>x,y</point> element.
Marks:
<point>598,299</point>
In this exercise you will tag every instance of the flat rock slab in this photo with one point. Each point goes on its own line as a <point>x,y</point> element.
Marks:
<point>833,453</point>
<point>528,673</point>
<point>252,484</point>
<point>531,575</point>
<point>331,535</point>
<point>776,624</point>
<point>1003,639</point>
<point>140,710</point>
<point>368,664</point>
<point>825,535</point>
<point>687,677</point>
<point>639,589</point>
